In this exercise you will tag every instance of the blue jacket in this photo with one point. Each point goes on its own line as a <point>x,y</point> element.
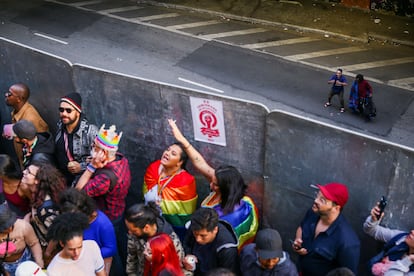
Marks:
<point>338,246</point>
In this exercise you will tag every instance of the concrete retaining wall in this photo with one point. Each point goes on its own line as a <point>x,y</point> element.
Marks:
<point>301,152</point>
<point>278,154</point>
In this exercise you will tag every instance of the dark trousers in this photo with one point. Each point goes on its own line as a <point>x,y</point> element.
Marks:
<point>340,95</point>
<point>119,260</point>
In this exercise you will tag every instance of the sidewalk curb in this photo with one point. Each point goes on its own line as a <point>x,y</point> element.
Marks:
<point>366,39</point>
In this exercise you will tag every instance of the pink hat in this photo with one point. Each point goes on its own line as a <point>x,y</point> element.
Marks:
<point>335,192</point>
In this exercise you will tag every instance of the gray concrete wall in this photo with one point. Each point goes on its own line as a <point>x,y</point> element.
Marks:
<point>278,154</point>
<point>141,108</point>
<point>301,152</point>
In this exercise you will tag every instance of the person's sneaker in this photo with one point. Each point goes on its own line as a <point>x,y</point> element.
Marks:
<point>342,110</point>
<point>327,104</point>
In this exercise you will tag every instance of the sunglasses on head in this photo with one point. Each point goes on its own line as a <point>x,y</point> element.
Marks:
<point>68,110</point>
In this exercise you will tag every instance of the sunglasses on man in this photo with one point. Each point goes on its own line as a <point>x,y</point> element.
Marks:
<point>68,110</point>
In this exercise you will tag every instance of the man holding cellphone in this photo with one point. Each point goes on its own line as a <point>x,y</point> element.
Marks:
<point>325,240</point>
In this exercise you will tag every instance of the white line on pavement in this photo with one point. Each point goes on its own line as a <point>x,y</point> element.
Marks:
<point>84,3</point>
<point>234,33</point>
<point>201,85</point>
<point>325,53</point>
<point>193,25</point>
<point>51,38</point>
<point>380,63</point>
<point>403,81</point>
<point>154,17</point>
<point>279,42</point>
<point>121,9</point>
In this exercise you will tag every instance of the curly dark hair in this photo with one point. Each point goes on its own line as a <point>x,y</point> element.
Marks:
<point>67,226</point>
<point>51,182</point>
<point>73,200</point>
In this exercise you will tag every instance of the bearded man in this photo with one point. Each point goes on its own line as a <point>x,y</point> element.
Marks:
<point>74,138</point>
<point>325,240</point>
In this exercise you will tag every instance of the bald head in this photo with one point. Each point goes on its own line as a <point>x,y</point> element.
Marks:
<point>17,96</point>
<point>21,90</point>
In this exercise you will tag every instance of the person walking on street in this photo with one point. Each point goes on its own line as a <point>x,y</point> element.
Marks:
<point>338,82</point>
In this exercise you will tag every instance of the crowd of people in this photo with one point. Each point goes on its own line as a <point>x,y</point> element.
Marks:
<point>63,211</point>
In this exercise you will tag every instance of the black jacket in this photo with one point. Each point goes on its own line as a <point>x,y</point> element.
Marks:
<point>221,252</point>
<point>43,151</point>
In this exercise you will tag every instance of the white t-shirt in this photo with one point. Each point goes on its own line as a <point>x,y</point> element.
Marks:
<point>90,261</point>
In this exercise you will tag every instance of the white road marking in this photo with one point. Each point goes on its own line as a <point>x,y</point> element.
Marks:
<point>51,38</point>
<point>201,85</point>
<point>154,17</point>
<point>325,53</point>
<point>404,81</point>
<point>84,3</point>
<point>233,33</point>
<point>279,42</point>
<point>121,9</point>
<point>380,63</point>
<point>193,25</point>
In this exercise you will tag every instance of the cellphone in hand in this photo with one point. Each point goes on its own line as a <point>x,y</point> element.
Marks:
<point>383,202</point>
<point>295,246</point>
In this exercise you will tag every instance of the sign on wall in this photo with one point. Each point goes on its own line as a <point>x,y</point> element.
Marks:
<point>208,121</point>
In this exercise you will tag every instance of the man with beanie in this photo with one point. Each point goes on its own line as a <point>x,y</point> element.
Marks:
<point>74,138</point>
<point>18,98</point>
<point>37,147</point>
<point>325,240</point>
<point>107,179</point>
<point>266,256</point>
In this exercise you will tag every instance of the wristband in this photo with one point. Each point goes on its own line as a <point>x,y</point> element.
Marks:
<point>91,168</point>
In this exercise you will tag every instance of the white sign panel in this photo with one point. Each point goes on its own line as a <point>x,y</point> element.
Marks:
<point>208,121</point>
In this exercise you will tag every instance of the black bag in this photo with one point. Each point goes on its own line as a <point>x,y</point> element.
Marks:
<point>369,108</point>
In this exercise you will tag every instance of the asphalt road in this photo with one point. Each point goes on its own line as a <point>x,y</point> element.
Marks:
<point>154,43</point>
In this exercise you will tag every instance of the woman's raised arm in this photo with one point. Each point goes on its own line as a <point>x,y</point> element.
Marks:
<point>196,158</point>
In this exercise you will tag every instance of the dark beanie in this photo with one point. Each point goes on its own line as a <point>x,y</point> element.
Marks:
<point>74,99</point>
<point>24,130</point>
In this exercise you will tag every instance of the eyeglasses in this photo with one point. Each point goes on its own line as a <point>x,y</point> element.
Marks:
<point>321,198</point>
<point>68,110</point>
<point>8,94</point>
<point>29,172</point>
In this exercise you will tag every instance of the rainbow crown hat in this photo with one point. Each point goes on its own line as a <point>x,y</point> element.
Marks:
<point>108,139</point>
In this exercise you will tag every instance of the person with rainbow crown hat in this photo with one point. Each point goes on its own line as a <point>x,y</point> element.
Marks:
<point>107,179</point>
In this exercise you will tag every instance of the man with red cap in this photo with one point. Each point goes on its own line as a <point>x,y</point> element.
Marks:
<point>325,240</point>
<point>74,138</point>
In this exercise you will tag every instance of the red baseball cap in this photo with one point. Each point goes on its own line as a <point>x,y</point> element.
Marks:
<point>335,192</point>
